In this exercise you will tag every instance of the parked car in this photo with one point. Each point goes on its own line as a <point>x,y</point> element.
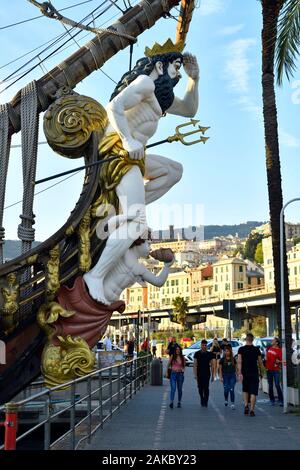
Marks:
<point>263,344</point>
<point>190,351</point>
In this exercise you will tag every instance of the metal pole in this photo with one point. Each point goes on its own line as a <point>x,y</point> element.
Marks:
<point>138,332</point>
<point>284,372</point>
<point>47,429</point>
<point>110,391</point>
<point>72,418</point>
<point>229,321</point>
<point>100,399</point>
<point>297,311</point>
<point>89,410</point>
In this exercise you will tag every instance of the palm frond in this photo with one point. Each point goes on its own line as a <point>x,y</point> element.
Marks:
<point>288,42</point>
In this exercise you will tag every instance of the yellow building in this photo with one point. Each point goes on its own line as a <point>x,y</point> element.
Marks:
<point>178,284</point>
<point>293,262</point>
<point>229,275</point>
<point>176,245</point>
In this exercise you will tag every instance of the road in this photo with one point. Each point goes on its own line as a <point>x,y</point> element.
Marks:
<point>147,423</point>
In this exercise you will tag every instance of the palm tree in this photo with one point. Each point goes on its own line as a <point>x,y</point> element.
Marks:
<point>180,311</point>
<point>288,42</point>
<point>270,12</point>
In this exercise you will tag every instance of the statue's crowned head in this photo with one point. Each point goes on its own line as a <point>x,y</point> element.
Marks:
<point>166,57</point>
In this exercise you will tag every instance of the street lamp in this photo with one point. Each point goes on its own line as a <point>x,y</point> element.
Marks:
<point>284,372</point>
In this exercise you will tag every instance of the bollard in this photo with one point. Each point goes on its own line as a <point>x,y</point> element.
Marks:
<point>10,424</point>
<point>156,372</point>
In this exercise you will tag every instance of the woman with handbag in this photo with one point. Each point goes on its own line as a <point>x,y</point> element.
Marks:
<point>175,372</point>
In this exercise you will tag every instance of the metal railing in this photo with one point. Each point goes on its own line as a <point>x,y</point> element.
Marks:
<point>106,391</point>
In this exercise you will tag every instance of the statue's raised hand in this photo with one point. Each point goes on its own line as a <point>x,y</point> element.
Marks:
<point>135,149</point>
<point>190,65</point>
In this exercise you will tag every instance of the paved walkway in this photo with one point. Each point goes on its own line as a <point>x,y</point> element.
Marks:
<point>148,423</point>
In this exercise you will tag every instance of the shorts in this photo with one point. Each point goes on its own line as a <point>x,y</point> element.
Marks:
<point>250,384</point>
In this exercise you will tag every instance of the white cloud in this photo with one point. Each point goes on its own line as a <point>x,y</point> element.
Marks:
<point>287,139</point>
<point>248,104</point>
<point>238,64</point>
<point>209,7</point>
<point>230,30</point>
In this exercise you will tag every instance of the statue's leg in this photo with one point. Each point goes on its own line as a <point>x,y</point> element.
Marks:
<point>131,194</point>
<point>161,173</point>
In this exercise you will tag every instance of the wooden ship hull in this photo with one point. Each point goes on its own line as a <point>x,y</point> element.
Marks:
<point>24,339</point>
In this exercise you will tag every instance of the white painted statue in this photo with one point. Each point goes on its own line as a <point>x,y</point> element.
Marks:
<point>128,270</point>
<point>140,99</point>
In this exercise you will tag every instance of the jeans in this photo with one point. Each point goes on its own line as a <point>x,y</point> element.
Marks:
<point>176,378</point>
<point>274,374</point>
<point>203,387</point>
<point>229,381</point>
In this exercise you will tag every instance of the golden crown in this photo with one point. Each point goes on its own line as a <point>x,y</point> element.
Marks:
<point>166,48</point>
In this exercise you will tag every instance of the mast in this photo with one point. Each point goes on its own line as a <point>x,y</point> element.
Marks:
<point>93,55</point>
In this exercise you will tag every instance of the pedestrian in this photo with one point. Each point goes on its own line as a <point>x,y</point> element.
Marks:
<point>177,365</point>
<point>216,351</point>
<point>121,342</point>
<point>171,346</point>
<point>273,362</point>
<point>202,362</point>
<point>153,346</point>
<point>227,373</point>
<point>249,357</point>
<point>224,344</point>
<point>107,343</point>
<point>130,348</point>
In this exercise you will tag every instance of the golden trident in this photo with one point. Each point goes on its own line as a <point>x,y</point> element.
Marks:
<point>177,137</point>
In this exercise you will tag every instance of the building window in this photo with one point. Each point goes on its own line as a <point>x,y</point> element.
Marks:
<point>216,288</point>
<point>240,269</point>
<point>258,281</point>
<point>221,269</point>
<point>270,275</point>
<point>249,280</point>
<point>216,270</point>
<point>295,270</point>
<point>240,285</point>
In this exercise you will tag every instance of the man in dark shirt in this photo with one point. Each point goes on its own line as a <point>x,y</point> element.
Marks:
<point>202,361</point>
<point>172,346</point>
<point>248,357</point>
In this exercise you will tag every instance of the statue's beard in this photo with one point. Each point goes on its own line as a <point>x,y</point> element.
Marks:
<point>164,85</point>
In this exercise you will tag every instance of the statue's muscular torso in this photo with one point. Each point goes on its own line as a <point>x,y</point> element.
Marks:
<point>139,107</point>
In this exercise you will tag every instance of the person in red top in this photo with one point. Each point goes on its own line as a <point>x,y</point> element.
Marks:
<point>273,363</point>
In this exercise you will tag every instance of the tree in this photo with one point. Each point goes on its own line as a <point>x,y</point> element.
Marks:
<point>259,257</point>
<point>251,243</point>
<point>288,43</point>
<point>296,240</point>
<point>180,311</point>
<point>270,14</point>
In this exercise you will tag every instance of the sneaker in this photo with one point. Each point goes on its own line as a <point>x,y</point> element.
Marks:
<point>171,405</point>
<point>212,379</point>
<point>226,403</point>
<point>179,405</point>
<point>232,406</point>
<point>246,410</point>
<point>281,403</point>
<point>252,413</point>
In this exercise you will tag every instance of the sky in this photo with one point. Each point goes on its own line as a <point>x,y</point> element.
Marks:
<point>224,181</point>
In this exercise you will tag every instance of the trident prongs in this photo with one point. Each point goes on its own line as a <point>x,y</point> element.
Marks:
<point>181,136</point>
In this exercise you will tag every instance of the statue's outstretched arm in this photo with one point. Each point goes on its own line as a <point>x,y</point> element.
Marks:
<point>188,106</point>
<point>158,280</point>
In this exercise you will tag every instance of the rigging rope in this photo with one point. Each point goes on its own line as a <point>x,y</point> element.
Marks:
<point>4,158</point>
<point>29,125</point>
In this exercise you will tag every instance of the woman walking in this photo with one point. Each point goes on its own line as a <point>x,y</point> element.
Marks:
<point>227,373</point>
<point>177,365</point>
<point>216,351</point>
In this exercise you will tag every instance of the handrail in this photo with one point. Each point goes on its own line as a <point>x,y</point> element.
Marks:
<point>135,371</point>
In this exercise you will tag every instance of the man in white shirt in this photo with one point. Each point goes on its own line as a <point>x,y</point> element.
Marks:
<point>153,346</point>
<point>107,343</point>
